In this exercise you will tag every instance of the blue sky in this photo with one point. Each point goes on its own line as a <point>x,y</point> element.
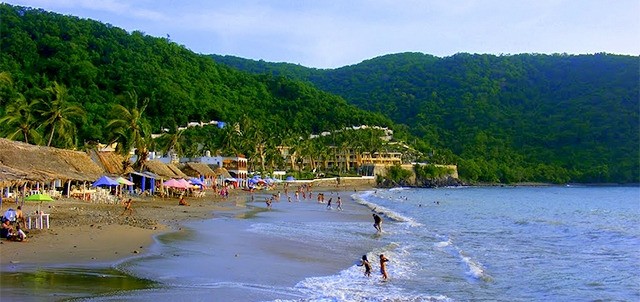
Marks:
<point>335,33</point>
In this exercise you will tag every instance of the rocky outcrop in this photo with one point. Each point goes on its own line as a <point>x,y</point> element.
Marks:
<point>423,183</point>
<point>439,182</point>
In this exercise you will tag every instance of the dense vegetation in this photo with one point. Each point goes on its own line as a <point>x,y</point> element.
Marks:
<point>529,117</point>
<point>68,82</point>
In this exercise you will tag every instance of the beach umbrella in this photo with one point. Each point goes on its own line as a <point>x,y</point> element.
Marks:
<point>123,181</point>
<point>39,197</point>
<point>105,181</point>
<point>173,183</point>
<point>196,181</point>
<point>184,183</point>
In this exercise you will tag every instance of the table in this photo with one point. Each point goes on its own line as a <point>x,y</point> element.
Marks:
<point>39,221</point>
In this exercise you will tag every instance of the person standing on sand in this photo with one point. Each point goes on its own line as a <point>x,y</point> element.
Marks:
<point>377,222</point>
<point>127,207</point>
<point>383,267</point>
<point>367,266</point>
<point>20,220</point>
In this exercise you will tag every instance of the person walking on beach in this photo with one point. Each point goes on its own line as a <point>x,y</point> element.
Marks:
<point>329,204</point>
<point>383,267</point>
<point>339,202</point>
<point>367,266</point>
<point>127,207</point>
<point>377,222</point>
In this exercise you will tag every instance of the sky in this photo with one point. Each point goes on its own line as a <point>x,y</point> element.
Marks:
<point>336,33</point>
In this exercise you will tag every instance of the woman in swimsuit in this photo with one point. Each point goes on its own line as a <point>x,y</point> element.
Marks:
<point>383,266</point>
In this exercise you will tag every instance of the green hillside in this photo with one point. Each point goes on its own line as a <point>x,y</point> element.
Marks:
<point>514,118</point>
<point>95,66</point>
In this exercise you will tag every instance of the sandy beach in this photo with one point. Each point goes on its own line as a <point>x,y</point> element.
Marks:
<point>90,243</point>
<point>84,232</point>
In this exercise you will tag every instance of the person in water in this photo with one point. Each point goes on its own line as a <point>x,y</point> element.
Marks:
<point>383,266</point>
<point>377,222</point>
<point>367,266</point>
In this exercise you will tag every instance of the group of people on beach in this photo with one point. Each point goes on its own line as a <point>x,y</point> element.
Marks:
<point>367,266</point>
<point>8,230</point>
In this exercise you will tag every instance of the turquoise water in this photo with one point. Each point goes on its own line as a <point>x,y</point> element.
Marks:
<point>449,244</point>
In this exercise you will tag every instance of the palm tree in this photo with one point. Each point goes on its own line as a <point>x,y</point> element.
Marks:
<point>5,77</point>
<point>322,151</point>
<point>58,115</point>
<point>19,121</point>
<point>229,139</point>
<point>171,141</point>
<point>130,129</point>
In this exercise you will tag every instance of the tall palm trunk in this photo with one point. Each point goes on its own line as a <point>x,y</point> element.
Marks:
<point>53,130</point>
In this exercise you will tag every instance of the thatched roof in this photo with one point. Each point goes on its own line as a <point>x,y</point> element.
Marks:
<point>177,171</point>
<point>163,170</point>
<point>198,169</point>
<point>111,162</point>
<point>9,175</point>
<point>39,163</point>
<point>222,172</point>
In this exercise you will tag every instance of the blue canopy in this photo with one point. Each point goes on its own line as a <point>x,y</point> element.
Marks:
<point>290,178</point>
<point>105,181</point>
<point>196,181</point>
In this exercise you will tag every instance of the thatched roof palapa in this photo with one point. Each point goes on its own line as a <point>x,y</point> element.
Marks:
<point>9,176</point>
<point>111,162</point>
<point>39,163</point>
<point>198,169</point>
<point>163,170</point>
<point>224,173</point>
<point>177,171</point>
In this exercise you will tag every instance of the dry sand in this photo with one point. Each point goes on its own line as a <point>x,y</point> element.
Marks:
<point>84,232</point>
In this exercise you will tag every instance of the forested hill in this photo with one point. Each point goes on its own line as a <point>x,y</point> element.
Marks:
<point>508,118</point>
<point>101,65</point>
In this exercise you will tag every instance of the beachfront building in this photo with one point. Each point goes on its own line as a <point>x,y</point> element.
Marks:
<point>342,159</point>
<point>236,166</point>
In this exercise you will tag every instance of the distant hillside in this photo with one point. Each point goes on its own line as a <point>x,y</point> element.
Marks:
<point>508,118</point>
<point>99,63</point>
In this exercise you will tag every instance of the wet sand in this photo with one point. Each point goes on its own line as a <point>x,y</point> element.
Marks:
<point>83,234</point>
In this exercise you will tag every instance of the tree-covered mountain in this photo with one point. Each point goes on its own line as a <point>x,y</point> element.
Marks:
<point>501,118</point>
<point>97,66</point>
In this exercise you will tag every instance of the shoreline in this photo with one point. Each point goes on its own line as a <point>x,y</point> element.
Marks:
<point>90,234</point>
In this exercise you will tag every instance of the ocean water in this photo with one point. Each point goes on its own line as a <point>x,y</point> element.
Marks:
<point>451,244</point>
<point>567,243</point>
